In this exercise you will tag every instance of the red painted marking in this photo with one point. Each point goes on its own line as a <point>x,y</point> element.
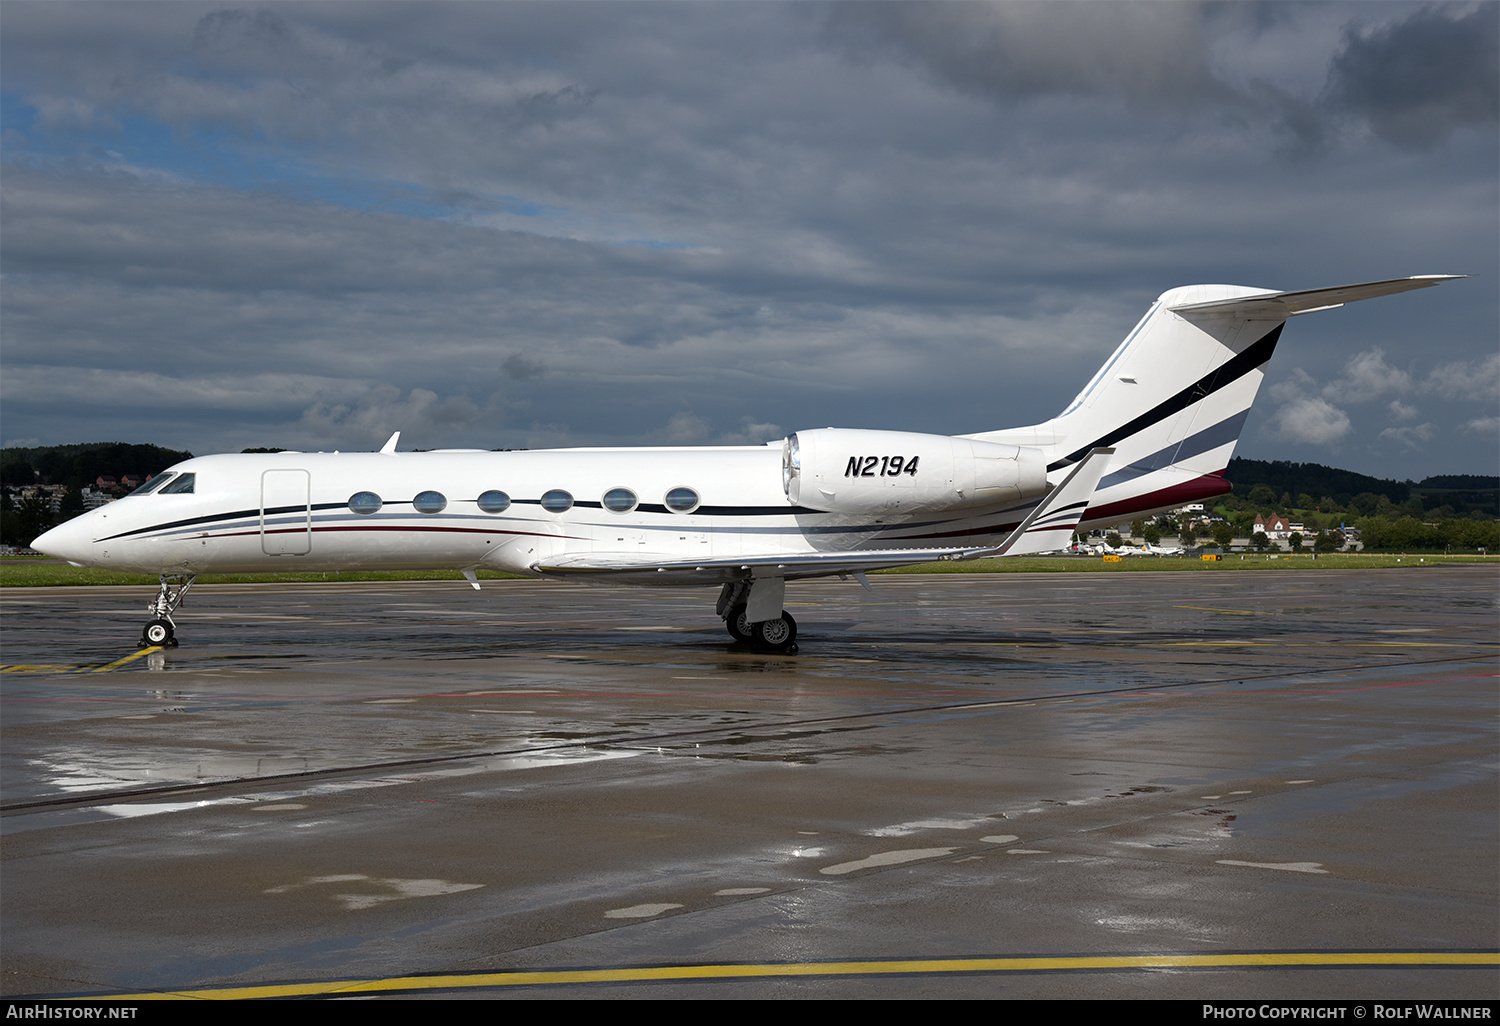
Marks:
<point>1205,487</point>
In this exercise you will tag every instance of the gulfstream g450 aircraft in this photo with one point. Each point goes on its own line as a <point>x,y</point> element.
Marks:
<point>1153,430</point>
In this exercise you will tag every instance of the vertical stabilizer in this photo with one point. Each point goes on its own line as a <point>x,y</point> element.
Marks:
<point>1173,398</point>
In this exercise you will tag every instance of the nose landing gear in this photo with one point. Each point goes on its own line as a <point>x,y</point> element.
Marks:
<point>160,631</point>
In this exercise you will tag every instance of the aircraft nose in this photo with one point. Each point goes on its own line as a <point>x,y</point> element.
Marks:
<point>70,541</point>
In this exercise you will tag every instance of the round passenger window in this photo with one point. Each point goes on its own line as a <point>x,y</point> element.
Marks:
<point>619,500</point>
<point>682,500</point>
<point>494,501</point>
<point>365,503</point>
<point>557,501</point>
<point>429,502</point>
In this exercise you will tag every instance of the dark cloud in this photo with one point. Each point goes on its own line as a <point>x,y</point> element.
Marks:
<point>1149,53</point>
<point>310,225</point>
<point>1418,80</point>
<point>518,368</point>
<point>227,29</point>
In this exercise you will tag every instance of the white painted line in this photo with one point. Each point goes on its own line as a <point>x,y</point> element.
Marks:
<point>1290,867</point>
<point>640,911</point>
<point>886,858</point>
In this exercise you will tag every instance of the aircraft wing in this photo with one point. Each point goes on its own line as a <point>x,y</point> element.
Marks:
<point>1044,530</point>
<point>1279,305</point>
<point>632,568</point>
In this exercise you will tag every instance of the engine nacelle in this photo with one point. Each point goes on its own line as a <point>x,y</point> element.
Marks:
<point>843,470</point>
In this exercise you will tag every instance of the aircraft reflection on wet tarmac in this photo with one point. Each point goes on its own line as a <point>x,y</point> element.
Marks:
<point>372,779</point>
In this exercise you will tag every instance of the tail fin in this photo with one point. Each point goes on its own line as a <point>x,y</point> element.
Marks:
<point>1174,396</point>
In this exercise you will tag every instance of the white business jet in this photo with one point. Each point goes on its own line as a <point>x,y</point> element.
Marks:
<point>1153,430</point>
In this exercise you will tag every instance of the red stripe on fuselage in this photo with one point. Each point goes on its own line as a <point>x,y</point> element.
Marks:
<point>1205,487</point>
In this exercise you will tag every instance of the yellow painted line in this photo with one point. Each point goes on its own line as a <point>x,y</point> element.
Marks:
<point>75,667</point>
<point>121,662</point>
<point>1212,609</point>
<point>652,974</point>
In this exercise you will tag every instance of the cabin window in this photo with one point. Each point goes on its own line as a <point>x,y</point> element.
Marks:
<point>365,503</point>
<point>153,484</point>
<point>682,500</point>
<point>494,501</point>
<point>619,500</point>
<point>557,501</point>
<point>182,484</point>
<point>430,502</point>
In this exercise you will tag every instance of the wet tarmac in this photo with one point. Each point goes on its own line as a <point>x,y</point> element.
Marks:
<point>372,782</point>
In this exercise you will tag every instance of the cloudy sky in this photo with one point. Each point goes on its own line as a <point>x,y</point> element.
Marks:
<point>548,224</point>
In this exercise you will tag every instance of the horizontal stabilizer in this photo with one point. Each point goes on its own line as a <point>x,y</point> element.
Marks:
<point>1280,305</point>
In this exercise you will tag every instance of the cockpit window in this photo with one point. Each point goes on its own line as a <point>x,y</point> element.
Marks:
<point>153,484</point>
<point>182,485</point>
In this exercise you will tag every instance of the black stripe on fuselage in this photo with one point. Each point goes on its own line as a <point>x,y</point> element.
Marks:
<point>214,518</point>
<point>1255,355</point>
<point>218,518</point>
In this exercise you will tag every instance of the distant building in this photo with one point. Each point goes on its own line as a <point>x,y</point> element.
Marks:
<point>1277,528</point>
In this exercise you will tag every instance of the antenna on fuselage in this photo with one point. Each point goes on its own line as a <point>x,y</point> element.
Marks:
<point>389,448</point>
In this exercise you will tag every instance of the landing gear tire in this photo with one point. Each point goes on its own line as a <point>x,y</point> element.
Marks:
<point>740,629</point>
<point>158,633</point>
<point>779,634</point>
<point>159,630</point>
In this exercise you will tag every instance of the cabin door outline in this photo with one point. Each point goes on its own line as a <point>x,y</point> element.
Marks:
<point>286,512</point>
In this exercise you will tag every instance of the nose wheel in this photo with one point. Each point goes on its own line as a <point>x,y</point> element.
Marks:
<point>160,631</point>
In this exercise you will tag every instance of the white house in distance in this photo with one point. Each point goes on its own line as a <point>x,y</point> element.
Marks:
<point>1277,528</point>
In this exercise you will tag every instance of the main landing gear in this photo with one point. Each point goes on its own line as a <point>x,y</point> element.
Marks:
<point>160,630</point>
<point>775,635</point>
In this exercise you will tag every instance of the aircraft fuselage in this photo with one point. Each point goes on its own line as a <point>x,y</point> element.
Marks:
<point>512,511</point>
